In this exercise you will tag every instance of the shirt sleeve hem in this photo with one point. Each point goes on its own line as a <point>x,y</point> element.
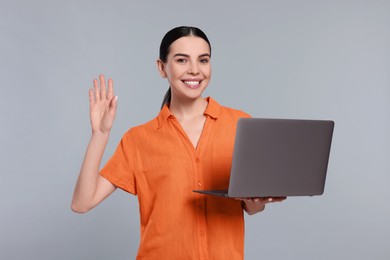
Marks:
<point>117,182</point>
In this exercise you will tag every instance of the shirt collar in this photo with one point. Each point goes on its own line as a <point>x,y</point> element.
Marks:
<point>212,110</point>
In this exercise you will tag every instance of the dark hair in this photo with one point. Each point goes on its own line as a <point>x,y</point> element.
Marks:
<point>172,36</point>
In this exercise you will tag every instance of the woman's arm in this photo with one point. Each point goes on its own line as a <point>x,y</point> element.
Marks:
<point>91,188</point>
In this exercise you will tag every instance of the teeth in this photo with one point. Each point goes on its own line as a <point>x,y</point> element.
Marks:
<point>192,83</point>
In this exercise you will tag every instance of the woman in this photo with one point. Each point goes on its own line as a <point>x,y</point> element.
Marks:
<point>187,146</point>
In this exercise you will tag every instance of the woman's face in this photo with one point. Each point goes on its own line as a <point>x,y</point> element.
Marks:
<point>187,68</point>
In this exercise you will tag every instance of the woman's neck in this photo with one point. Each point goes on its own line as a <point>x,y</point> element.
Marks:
<point>186,110</point>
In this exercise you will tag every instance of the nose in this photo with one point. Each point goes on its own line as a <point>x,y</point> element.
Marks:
<point>193,68</point>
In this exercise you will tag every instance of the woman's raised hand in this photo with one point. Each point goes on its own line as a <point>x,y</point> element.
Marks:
<point>103,105</point>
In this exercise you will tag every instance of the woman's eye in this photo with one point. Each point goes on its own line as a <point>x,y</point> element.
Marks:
<point>181,60</point>
<point>204,60</point>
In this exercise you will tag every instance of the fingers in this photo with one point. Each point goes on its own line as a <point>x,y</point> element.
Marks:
<point>110,90</point>
<point>110,97</point>
<point>263,199</point>
<point>96,90</point>
<point>113,105</point>
<point>91,97</point>
<point>99,89</point>
<point>102,86</point>
<point>277,199</point>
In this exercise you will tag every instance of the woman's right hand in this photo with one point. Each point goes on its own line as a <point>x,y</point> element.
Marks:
<point>103,105</point>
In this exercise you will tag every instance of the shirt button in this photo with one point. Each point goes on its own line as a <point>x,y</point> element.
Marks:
<point>202,234</point>
<point>199,184</point>
<point>197,160</point>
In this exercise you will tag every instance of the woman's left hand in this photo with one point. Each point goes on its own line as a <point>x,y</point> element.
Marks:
<point>255,205</point>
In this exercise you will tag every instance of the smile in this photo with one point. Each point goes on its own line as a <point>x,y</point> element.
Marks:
<point>192,83</point>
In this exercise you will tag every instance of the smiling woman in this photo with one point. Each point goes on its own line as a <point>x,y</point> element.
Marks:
<point>165,47</point>
<point>188,70</point>
<point>163,160</point>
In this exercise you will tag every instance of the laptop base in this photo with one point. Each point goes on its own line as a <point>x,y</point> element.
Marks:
<point>219,193</point>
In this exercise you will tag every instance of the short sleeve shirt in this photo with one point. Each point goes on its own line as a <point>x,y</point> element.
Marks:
<point>157,162</point>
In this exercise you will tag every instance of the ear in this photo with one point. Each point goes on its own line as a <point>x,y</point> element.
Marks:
<point>161,68</point>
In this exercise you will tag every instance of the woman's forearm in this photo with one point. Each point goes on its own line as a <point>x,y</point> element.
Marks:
<point>83,197</point>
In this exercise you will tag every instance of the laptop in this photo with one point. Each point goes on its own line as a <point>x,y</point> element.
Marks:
<point>278,158</point>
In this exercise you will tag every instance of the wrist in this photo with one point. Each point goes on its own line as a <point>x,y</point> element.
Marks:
<point>100,132</point>
<point>100,135</point>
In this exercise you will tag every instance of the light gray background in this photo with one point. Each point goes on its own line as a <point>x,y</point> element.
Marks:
<point>291,59</point>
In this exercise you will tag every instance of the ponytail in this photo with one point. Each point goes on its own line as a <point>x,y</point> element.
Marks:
<point>167,98</point>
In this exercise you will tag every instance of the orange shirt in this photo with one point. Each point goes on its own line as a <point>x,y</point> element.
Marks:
<point>158,162</point>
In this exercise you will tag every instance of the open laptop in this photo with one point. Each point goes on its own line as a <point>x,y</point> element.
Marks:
<point>278,158</point>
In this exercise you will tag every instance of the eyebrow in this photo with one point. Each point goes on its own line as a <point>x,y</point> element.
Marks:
<point>186,55</point>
